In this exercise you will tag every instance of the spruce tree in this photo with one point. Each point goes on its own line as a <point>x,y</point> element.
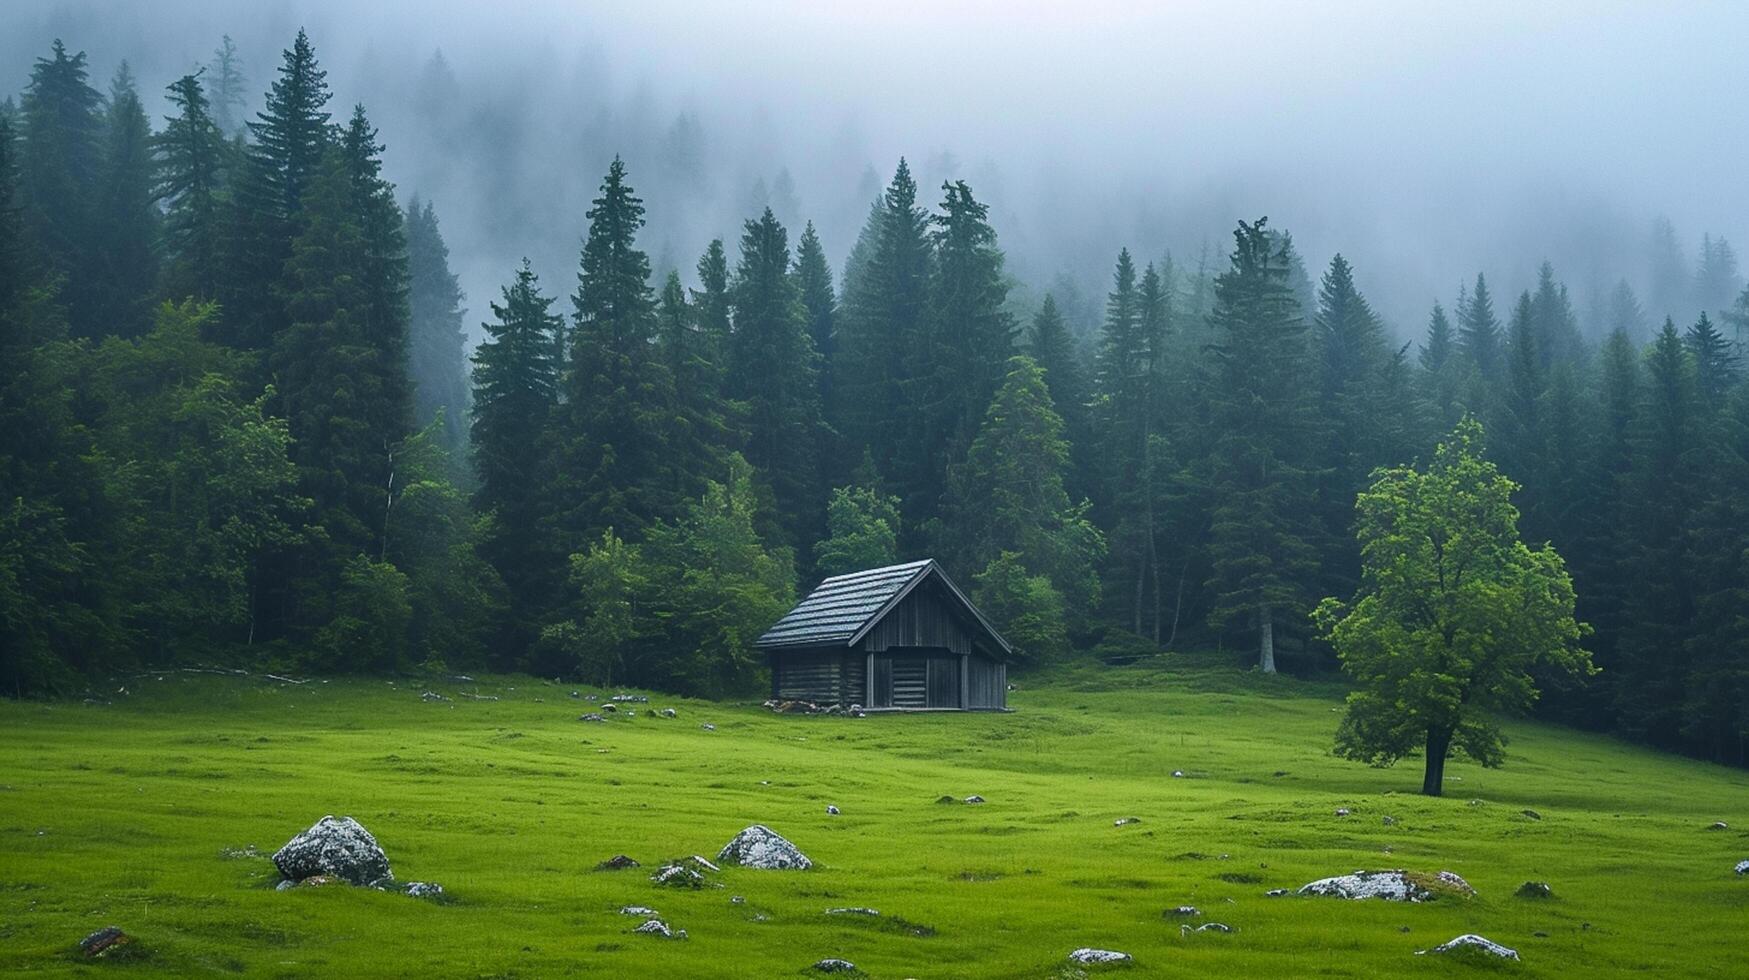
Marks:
<point>1258,473</point>
<point>961,351</point>
<point>1625,313</point>
<point>227,88</point>
<point>774,370</point>
<point>1715,277</point>
<point>192,158</point>
<point>613,436</point>
<point>1478,334</point>
<point>1439,365</point>
<point>515,399</point>
<point>1353,413</point>
<point>60,164</point>
<point>814,284</point>
<point>1517,428</point>
<point>1554,324</point>
<point>885,299</point>
<point>127,235</point>
<point>700,435</point>
<point>1716,361</point>
<point>291,138</point>
<point>437,347</point>
<point>1051,345</point>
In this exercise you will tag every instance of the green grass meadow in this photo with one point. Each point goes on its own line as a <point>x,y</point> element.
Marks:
<point>122,814</point>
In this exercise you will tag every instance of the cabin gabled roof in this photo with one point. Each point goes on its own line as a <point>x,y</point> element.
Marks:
<point>843,608</point>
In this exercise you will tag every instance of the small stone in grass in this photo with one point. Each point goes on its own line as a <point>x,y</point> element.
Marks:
<point>678,876</point>
<point>974,798</point>
<point>1184,912</point>
<point>1275,893</point>
<point>423,889</point>
<point>1743,867</point>
<point>853,911</point>
<point>1390,821</point>
<point>1471,941</point>
<point>947,799</point>
<point>1214,927</point>
<point>619,862</point>
<point>591,716</point>
<point>642,910</point>
<point>670,713</point>
<point>1342,811</point>
<point>835,966</point>
<point>1125,821</point>
<point>1535,889</point>
<point>1178,774</point>
<point>1089,955</point>
<point>103,941</point>
<point>656,927</point>
<point>707,726</point>
<point>1532,814</point>
<point>1720,825</point>
<point>831,810</point>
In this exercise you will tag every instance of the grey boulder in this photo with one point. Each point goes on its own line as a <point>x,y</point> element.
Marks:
<point>835,966</point>
<point>1394,886</point>
<point>761,847</point>
<point>337,846</point>
<point>1087,954</point>
<point>1470,941</point>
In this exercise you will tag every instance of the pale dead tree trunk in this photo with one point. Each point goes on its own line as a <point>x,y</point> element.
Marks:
<point>1266,636</point>
<point>1178,601</point>
<point>388,506</point>
<point>1154,570</point>
<point>1136,607</point>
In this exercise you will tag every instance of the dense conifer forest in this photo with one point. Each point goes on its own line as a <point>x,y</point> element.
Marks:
<point>242,424</point>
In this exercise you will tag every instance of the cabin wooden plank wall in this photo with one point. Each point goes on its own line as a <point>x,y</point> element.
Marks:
<point>986,684</point>
<point>921,619</point>
<point>810,676</point>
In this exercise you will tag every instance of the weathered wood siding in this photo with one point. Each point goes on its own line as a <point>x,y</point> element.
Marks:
<point>987,684</point>
<point>910,682</point>
<point>944,682</point>
<point>922,619</point>
<point>808,675</point>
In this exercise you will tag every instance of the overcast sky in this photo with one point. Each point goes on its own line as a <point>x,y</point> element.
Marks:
<point>1424,141</point>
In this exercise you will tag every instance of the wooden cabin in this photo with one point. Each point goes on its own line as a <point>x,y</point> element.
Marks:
<point>900,638</point>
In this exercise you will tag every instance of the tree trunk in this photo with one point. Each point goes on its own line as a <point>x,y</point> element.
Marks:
<point>1178,602</point>
<point>1438,743</point>
<point>1266,637</point>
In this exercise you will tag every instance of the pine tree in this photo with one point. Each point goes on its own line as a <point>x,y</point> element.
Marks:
<point>1671,283</point>
<point>613,451</point>
<point>1519,434</point>
<point>1353,411</point>
<point>1716,361</point>
<point>700,435</point>
<point>1258,473</point>
<point>227,88</point>
<point>885,299</point>
<point>961,352</point>
<point>192,158</point>
<point>1625,313</point>
<point>814,284</point>
<point>1648,684</point>
<point>1439,364</point>
<point>128,218</point>
<point>516,396</point>
<point>291,139</point>
<point>1715,278</point>
<point>437,347</point>
<point>1009,497</point>
<point>774,371</point>
<point>1479,331</point>
<point>1051,345</point>
<point>60,164</point>
<point>712,307</point>
<point>1553,322</point>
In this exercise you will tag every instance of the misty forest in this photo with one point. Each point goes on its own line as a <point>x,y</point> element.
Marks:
<point>253,424</point>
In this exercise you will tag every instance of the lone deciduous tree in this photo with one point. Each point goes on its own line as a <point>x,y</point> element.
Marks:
<point>1453,611</point>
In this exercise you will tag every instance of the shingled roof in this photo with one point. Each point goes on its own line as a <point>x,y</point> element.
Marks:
<point>844,607</point>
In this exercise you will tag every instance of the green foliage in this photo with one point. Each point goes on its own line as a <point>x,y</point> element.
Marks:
<point>610,582</point>
<point>1454,612</point>
<point>192,162</point>
<point>1259,468</point>
<point>436,344</point>
<point>371,614</point>
<point>863,526</point>
<point>1026,608</point>
<point>1009,496</point>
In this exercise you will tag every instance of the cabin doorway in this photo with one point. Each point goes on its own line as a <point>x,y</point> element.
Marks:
<point>916,677</point>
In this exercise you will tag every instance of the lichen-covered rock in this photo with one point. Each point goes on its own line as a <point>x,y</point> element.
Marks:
<point>1719,825</point>
<point>104,941</point>
<point>761,847</point>
<point>707,726</point>
<point>831,811</point>
<point>1087,954</point>
<point>1342,811</point>
<point>422,889</point>
<point>1469,941</point>
<point>835,966</point>
<point>698,863</point>
<point>591,716</point>
<point>619,862</point>
<point>974,798</point>
<point>1125,821</point>
<point>1535,889</point>
<point>670,713</point>
<point>656,927</point>
<point>337,846</point>
<point>853,911</point>
<point>1275,893</point>
<point>1394,886</point>
<point>645,911</point>
<point>1743,867</point>
<point>678,876</point>
<point>1183,912</point>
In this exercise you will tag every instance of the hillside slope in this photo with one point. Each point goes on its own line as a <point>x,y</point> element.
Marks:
<point>120,813</point>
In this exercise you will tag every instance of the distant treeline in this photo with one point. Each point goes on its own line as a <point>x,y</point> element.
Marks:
<point>238,423</point>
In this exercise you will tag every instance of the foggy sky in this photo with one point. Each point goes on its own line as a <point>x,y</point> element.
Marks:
<point>1425,142</point>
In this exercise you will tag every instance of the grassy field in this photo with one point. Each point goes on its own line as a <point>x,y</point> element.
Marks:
<point>123,814</point>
